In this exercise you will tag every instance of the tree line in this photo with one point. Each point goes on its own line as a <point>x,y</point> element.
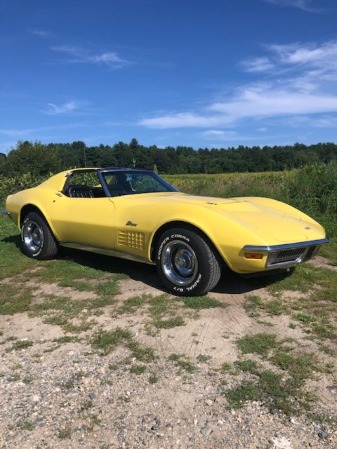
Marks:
<point>41,159</point>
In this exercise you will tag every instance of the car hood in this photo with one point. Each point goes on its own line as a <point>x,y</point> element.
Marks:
<point>265,217</point>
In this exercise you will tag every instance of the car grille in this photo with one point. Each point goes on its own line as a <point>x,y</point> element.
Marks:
<point>291,256</point>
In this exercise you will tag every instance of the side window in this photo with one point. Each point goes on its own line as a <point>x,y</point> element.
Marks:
<point>118,184</point>
<point>84,185</point>
<point>145,183</point>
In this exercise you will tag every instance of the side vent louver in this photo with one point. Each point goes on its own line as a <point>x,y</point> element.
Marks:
<point>131,239</point>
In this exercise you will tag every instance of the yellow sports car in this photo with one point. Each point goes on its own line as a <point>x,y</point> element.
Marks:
<point>135,214</point>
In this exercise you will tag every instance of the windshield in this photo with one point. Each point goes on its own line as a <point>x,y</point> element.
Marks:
<point>134,182</point>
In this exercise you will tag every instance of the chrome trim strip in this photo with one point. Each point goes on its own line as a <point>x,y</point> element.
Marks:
<point>5,212</point>
<point>106,252</point>
<point>286,246</point>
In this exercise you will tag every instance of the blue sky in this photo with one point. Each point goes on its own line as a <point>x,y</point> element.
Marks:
<point>215,73</point>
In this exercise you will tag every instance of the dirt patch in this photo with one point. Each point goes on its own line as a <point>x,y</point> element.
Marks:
<point>131,288</point>
<point>41,290</point>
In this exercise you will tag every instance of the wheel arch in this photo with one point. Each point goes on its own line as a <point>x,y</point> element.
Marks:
<point>27,208</point>
<point>190,227</point>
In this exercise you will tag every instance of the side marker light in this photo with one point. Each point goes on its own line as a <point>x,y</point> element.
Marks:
<point>255,256</point>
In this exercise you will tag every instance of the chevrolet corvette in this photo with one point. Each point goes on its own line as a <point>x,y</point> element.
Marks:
<point>135,214</point>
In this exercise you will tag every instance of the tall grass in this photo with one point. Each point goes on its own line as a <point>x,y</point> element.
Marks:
<point>312,189</point>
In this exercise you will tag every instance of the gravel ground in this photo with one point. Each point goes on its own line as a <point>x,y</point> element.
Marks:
<point>73,398</point>
<point>69,395</point>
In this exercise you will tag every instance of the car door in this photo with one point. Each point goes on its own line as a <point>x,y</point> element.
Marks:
<point>84,221</point>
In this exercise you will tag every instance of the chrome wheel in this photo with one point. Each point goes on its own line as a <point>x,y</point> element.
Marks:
<point>179,263</point>
<point>32,236</point>
<point>186,263</point>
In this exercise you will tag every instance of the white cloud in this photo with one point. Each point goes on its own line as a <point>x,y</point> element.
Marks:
<point>249,103</point>
<point>80,55</point>
<point>311,61</point>
<point>215,133</point>
<point>271,101</point>
<point>299,80</point>
<point>15,132</point>
<point>311,54</point>
<point>181,120</point>
<point>257,64</point>
<point>305,5</point>
<point>65,108</point>
<point>41,33</point>
<point>220,135</point>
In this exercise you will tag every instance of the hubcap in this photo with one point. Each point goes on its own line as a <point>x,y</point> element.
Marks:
<point>32,236</point>
<point>179,263</point>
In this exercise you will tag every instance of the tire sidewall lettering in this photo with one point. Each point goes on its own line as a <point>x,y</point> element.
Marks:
<point>195,283</point>
<point>160,250</point>
<point>167,239</point>
<point>191,287</point>
<point>179,236</point>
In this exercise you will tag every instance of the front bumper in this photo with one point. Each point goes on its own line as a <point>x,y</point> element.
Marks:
<point>286,255</point>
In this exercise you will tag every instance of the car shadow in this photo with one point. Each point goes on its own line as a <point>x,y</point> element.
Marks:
<point>135,270</point>
<point>15,239</point>
<point>230,282</point>
<point>233,283</point>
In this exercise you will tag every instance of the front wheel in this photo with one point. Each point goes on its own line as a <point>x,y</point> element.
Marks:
<point>37,240</point>
<point>186,263</point>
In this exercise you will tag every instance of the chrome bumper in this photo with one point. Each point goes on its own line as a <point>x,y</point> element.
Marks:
<point>289,254</point>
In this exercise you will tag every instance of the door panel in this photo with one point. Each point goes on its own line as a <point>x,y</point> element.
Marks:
<point>88,221</point>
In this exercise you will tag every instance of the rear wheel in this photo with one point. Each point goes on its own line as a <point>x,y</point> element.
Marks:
<point>186,263</point>
<point>36,238</point>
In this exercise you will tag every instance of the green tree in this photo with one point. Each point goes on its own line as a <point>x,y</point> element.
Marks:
<point>33,158</point>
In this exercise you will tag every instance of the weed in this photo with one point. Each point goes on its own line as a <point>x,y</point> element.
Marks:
<point>304,318</point>
<point>274,308</point>
<point>83,326</point>
<point>299,366</point>
<point>14,299</point>
<point>26,425</point>
<point>66,339</point>
<point>28,380</point>
<point>202,302</point>
<point>183,363</point>
<point>130,305</point>
<point>65,432</point>
<point>203,358</point>
<point>326,331</point>
<point>143,354</point>
<point>270,389</point>
<point>169,323</point>
<point>258,343</point>
<point>22,344</point>
<point>226,367</point>
<point>153,379</point>
<point>138,369</point>
<point>108,341</point>
<point>163,314</point>
<point>246,366</point>
<point>254,304</point>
